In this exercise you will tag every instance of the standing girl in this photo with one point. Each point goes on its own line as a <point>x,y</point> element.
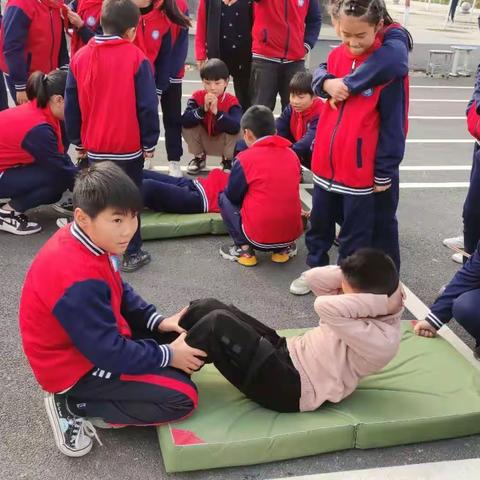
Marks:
<point>358,147</point>
<point>32,37</point>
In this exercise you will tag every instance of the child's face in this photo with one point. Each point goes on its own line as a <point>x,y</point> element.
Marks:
<point>301,101</point>
<point>111,229</point>
<point>356,33</point>
<point>57,106</point>
<point>216,87</point>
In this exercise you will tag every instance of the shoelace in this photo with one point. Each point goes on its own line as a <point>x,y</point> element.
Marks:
<point>89,430</point>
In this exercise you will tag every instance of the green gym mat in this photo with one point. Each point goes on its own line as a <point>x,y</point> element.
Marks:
<point>169,225</point>
<point>427,392</point>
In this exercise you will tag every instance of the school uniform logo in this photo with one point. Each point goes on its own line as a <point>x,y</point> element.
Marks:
<point>368,92</point>
<point>155,34</point>
<point>301,3</point>
<point>91,21</point>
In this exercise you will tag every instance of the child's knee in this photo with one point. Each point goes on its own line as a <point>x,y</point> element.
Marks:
<point>465,307</point>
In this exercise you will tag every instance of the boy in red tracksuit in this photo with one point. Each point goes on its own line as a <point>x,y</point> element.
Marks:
<point>103,355</point>
<point>298,122</point>
<point>211,121</point>
<point>358,146</point>
<point>124,130</point>
<point>32,37</point>
<point>283,33</point>
<point>261,203</point>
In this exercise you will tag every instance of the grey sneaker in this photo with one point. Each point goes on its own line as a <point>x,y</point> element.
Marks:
<point>73,435</point>
<point>65,204</point>
<point>299,286</point>
<point>196,165</point>
<point>135,261</point>
<point>244,256</point>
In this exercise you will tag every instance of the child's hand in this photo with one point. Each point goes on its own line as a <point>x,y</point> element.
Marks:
<point>332,103</point>
<point>22,98</point>
<point>214,105</point>
<point>184,357</point>
<point>381,188</point>
<point>171,324</point>
<point>424,329</point>
<point>75,19</point>
<point>209,97</point>
<point>228,3</point>
<point>336,89</point>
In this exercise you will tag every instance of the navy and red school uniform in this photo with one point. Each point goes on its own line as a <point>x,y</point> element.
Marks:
<point>300,129</point>
<point>32,37</point>
<point>171,99</point>
<point>227,119</point>
<point>471,209</point>
<point>282,35</point>
<point>34,168</point>
<point>96,121</point>
<point>163,193</point>
<point>225,32</point>
<point>89,11</point>
<point>261,204</point>
<point>78,326</point>
<point>359,145</point>
<point>3,89</point>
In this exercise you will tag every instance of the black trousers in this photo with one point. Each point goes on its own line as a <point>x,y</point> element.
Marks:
<point>250,355</point>
<point>271,78</point>
<point>241,85</point>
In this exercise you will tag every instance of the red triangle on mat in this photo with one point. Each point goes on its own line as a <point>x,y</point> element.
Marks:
<point>185,437</point>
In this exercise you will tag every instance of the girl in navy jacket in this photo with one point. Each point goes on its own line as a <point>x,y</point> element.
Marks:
<point>32,37</point>
<point>34,168</point>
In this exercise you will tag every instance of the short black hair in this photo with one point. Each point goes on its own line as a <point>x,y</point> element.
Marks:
<point>214,69</point>
<point>301,83</point>
<point>260,120</point>
<point>118,16</point>
<point>369,270</point>
<point>105,185</point>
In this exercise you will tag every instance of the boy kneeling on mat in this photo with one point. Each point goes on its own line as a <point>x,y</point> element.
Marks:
<point>359,304</point>
<point>104,355</point>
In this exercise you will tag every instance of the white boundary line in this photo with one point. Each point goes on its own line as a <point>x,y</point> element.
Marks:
<point>420,117</point>
<point>440,100</point>
<point>440,140</point>
<point>412,185</point>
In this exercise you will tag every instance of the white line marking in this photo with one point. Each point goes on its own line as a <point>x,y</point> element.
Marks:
<point>420,117</point>
<point>440,100</point>
<point>440,140</point>
<point>420,185</point>
<point>428,168</point>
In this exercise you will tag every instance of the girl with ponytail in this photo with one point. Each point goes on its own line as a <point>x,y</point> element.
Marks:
<point>34,168</point>
<point>359,144</point>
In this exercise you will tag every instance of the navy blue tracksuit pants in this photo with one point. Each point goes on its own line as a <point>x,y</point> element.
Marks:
<point>171,103</point>
<point>163,193</point>
<point>32,185</point>
<point>357,214</point>
<point>471,207</point>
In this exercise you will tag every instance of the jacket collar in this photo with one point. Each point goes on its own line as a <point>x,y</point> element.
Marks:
<point>106,38</point>
<point>83,238</point>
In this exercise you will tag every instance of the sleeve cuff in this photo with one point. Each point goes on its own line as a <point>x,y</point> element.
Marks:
<point>20,87</point>
<point>308,48</point>
<point>65,67</point>
<point>148,149</point>
<point>199,113</point>
<point>159,92</point>
<point>382,181</point>
<point>167,355</point>
<point>154,321</point>
<point>220,115</point>
<point>79,148</point>
<point>434,321</point>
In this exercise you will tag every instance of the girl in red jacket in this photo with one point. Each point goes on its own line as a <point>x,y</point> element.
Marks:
<point>34,168</point>
<point>358,146</point>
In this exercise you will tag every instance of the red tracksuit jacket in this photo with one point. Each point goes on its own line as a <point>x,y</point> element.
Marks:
<point>265,182</point>
<point>210,187</point>
<point>89,11</point>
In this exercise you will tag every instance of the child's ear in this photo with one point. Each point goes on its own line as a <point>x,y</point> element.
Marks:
<point>82,219</point>
<point>379,26</point>
<point>130,34</point>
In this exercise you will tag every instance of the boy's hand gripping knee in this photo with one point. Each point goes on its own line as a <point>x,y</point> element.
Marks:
<point>185,357</point>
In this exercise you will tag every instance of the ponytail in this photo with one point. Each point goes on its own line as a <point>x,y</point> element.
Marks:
<point>174,14</point>
<point>41,87</point>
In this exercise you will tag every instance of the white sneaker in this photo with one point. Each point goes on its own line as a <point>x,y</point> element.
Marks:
<point>17,223</point>
<point>73,435</point>
<point>454,242</point>
<point>457,258</point>
<point>61,222</point>
<point>174,169</point>
<point>65,204</point>
<point>299,286</point>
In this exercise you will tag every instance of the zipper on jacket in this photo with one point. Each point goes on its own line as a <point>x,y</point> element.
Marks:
<point>339,119</point>
<point>53,40</point>
<point>287,42</point>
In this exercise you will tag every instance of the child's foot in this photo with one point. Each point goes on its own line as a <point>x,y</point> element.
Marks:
<point>285,255</point>
<point>73,435</point>
<point>457,258</point>
<point>226,164</point>
<point>243,255</point>
<point>134,261</point>
<point>17,223</point>
<point>299,286</point>
<point>197,164</point>
<point>65,204</point>
<point>174,169</point>
<point>454,242</point>
<point>61,222</point>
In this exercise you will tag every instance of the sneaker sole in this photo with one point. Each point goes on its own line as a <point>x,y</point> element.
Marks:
<point>5,227</point>
<point>283,257</point>
<point>251,262</point>
<point>299,292</point>
<point>57,431</point>
<point>136,267</point>
<point>63,211</point>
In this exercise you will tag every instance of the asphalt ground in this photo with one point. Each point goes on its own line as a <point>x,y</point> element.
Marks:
<point>189,268</point>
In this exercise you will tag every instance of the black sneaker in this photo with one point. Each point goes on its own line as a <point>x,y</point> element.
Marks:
<point>197,164</point>
<point>244,256</point>
<point>64,205</point>
<point>73,435</point>
<point>134,261</point>
<point>226,164</point>
<point>17,223</point>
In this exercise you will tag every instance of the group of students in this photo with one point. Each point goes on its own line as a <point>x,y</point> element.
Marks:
<point>104,355</point>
